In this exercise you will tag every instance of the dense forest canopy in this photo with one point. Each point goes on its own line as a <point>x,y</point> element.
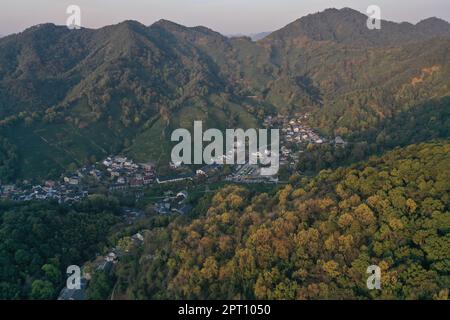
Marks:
<point>313,240</point>
<point>8,161</point>
<point>38,241</point>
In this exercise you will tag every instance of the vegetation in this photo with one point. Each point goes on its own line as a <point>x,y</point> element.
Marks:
<point>100,286</point>
<point>313,240</point>
<point>38,241</point>
<point>8,161</point>
<point>428,121</point>
<point>68,95</point>
<point>72,97</point>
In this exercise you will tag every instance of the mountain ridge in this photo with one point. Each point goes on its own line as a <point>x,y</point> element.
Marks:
<point>349,26</point>
<point>431,22</point>
<point>134,83</point>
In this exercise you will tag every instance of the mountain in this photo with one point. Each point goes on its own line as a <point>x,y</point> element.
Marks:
<point>68,97</point>
<point>72,97</point>
<point>359,76</point>
<point>434,26</point>
<point>96,90</point>
<point>349,27</point>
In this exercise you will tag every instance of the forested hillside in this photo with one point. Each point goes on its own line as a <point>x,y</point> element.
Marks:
<point>425,122</point>
<point>313,239</point>
<point>38,241</point>
<point>68,96</point>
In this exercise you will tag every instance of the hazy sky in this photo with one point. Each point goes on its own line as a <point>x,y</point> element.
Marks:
<point>225,16</point>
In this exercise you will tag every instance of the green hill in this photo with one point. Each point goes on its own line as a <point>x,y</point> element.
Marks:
<point>67,96</point>
<point>313,239</point>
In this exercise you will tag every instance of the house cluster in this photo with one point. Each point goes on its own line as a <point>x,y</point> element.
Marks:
<point>294,129</point>
<point>75,179</point>
<point>173,203</point>
<point>103,264</point>
<point>296,132</point>
<point>125,174</point>
<point>106,263</point>
<point>118,172</point>
<point>50,190</point>
<point>68,190</point>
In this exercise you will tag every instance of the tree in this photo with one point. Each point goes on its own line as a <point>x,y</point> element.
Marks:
<point>42,290</point>
<point>52,273</point>
<point>331,268</point>
<point>100,286</point>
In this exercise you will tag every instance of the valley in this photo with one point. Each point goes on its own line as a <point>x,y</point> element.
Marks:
<point>87,177</point>
<point>103,98</point>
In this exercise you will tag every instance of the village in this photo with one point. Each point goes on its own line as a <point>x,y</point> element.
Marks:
<point>115,175</point>
<point>296,135</point>
<point>115,172</point>
<point>119,174</point>
<point>68,191</point>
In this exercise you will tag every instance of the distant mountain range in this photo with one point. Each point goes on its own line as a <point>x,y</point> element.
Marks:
<point>253,36</point>
<point>68,96</point>
<point>259,36</point>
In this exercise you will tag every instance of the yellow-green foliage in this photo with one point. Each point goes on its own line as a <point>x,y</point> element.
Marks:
<point>312,240</point>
